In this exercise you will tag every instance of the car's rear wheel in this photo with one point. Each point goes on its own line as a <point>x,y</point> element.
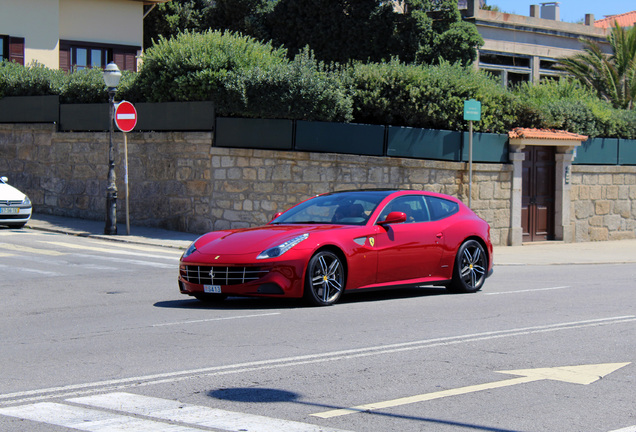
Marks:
<point>325,280</point>
<point>471,267</point>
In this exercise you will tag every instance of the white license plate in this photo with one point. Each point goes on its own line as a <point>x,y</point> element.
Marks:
<point>215,289</point>
<point>8,210</point>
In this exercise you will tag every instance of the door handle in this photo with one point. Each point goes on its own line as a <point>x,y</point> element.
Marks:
<point>439,235</point>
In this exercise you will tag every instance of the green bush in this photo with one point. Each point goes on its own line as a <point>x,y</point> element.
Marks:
<point>429,96</point>
<point>300,90</point>
<point>194,66</point>
<point>566,104</point>
<point>34,80</point>
<point>83,86</point>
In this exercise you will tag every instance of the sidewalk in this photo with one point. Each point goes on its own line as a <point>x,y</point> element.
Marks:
<point>95,229</point>
<point>544,253</point>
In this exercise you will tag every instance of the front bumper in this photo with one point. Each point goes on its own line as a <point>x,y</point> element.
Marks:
<point>283,279</point>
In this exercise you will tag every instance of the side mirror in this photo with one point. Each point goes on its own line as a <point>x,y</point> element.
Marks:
<point>393,218</point>
<point>4,179</point>
<point>276,215</point>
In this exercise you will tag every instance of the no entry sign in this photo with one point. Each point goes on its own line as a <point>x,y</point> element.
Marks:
<point>125,116</point>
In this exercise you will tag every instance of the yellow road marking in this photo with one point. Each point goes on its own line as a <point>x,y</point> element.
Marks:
<point>585,374</point>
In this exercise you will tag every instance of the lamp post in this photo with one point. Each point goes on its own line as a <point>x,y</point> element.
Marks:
<point>112,75</point>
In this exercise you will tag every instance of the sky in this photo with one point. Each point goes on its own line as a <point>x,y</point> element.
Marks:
<point>571,10</point>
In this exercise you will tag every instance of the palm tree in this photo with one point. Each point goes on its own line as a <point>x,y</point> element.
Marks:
<point>613,76</point>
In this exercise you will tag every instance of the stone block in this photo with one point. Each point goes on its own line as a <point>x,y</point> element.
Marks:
<point>602,207</point>
<point>599,234</point>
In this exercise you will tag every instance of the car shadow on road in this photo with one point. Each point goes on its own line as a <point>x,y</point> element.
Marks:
<point>250,303</point>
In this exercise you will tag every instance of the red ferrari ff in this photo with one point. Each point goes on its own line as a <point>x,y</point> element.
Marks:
<point>354,240</point>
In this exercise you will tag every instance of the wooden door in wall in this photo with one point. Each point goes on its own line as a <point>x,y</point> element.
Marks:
<point>537,199</point>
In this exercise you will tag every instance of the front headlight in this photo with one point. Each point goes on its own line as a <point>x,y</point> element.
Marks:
<point>189,250</point>
<point>26,201</point>
<point>277,251</point>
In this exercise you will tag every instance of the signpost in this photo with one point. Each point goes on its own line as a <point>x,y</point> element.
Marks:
<point>126,120</point>
<point>472,112</point>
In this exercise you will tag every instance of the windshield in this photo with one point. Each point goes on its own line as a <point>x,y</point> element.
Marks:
<point>344,208</point>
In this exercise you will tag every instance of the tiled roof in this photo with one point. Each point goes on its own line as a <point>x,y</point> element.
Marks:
<point>627,19</point>
<point>547,134</point>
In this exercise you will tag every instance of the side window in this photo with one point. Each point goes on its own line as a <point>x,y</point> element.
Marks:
<point>414,206</point>
<point>441,208</point>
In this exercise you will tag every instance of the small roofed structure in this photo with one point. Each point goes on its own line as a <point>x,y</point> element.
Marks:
<point>521,137</point>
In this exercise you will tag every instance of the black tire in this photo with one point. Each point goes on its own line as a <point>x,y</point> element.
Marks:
<point>471,267</point>
<point>210,298</point>
<point>325,279</point>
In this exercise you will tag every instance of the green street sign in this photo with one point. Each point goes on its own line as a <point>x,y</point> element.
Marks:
<point>472,110</point>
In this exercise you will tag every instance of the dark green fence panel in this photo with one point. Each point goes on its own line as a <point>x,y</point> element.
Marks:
<point>487,147</point>
<point>254,133</point>
<point>597,151</point>
<point>175,116</point>
<point>424,143</point>
<point>30,109</point>
<point>340,138</point>
<point>627,152</point>
<point>84,117</point>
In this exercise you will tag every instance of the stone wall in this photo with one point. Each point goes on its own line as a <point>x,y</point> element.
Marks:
<point>180,181</point>
<point>603,202</point>
<point>250,186</point>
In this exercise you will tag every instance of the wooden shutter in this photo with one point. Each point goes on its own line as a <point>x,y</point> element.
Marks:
<point>65,56</point>
<point>16,49</point>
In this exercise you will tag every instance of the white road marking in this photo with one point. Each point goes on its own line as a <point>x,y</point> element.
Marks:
<point>26,249</point>
<point>215,319</point>
<point>526,290</point>
<point>119,251</point>
<point>203,416</point>
<point>18,270</point>
<point>171,377</point>
<point>87,419</point>
<point>627,429</point>
<point>129,261</point>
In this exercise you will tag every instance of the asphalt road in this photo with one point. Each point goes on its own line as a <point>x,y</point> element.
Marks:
<point>95,336</point>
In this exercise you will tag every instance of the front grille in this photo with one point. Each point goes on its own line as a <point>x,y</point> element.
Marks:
<point>213,275</point>
<point>10,203</point>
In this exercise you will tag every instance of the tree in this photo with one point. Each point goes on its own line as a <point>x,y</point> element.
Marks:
<point>612,76</point>
<point>173,17</point>
<point>425,31</point>
<point>241,16</point>
<point>335,30</point>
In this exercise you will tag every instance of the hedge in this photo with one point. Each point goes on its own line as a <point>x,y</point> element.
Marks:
<point>247,78</point>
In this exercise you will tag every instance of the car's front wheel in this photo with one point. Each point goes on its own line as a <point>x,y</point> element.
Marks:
<point>325,280</point>
<point>471,267</point>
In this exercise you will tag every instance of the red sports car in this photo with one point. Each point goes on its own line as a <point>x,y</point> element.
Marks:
<point>354,240</point>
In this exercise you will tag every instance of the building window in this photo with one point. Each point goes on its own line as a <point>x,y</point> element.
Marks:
<point>12,49</point>
<point>88,58</point>
<point>4,48</point>
<point>78,55</point>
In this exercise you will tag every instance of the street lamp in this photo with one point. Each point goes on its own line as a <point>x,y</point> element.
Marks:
<point>112,75</point>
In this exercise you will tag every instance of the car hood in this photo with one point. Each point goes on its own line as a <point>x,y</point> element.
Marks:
<point>9,193</point>
<point>255,240</point>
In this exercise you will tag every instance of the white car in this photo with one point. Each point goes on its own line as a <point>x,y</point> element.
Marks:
<point>15,207</point>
